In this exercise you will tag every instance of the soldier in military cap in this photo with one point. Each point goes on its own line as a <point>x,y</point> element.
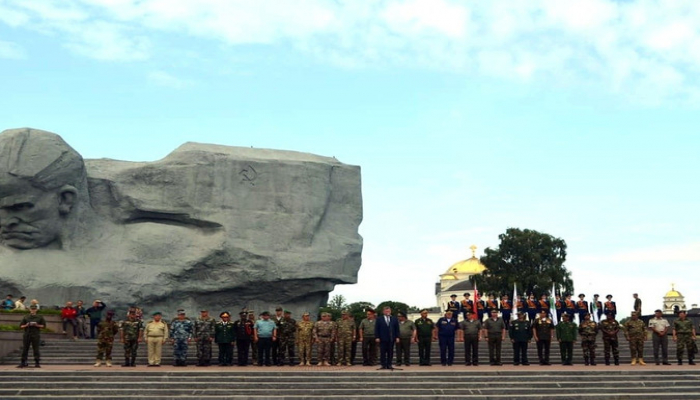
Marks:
<point>610,327</point>
<point>466,305</point>
<point>684,336</point>
<point>403,347</point>
<point>243,332</point>
<point>105,339</point>
<point>597,307</point>
<point>470,333</point>
<point>531,307</point>
<point>566,336</point>
<point>32,325</point>
<point>495,332</point>
<point>542,330</point>
<point>346,337</point>
<point>588,330</point>
<point>635,333</point>
<point>581,307</point>
<point>609,306</point>
<point>287,330</point>
<point>304,338</point>
<point>520,332</point>
<point>130,335</point>
<point>325,332</point>
<point>155,334</point>
<point>204,327</point>
<point>181,332</point>
<point>253,345</point>
<point>423,335</point>
<point>225,336</point>
<point>277,319</point>
<point>569,307</point>
<point>369,346</point>
<point>454,306</point>
<point>445,332</point>
<point>506,309</point>
<point>491,304</point>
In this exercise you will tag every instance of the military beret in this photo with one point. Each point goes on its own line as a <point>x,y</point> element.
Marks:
<point>454,295</point>
<point>287,312</point>
<point>157,313</point>
<point>278,309</point>
<point>226,314</point>
<point>400,314</point>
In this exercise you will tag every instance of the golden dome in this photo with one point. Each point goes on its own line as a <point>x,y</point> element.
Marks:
<point>673,292</point>
<point>469,266</point>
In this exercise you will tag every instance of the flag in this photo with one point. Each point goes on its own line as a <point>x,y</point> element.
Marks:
<point>476,299</point>
<point>594,311</point>
<point>514,313</point>
<point>553,305</point>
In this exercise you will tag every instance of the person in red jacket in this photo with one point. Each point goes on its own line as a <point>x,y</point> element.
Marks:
<point>69,315</point>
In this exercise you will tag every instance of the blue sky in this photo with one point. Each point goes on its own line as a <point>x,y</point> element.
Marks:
<point>578,119</point>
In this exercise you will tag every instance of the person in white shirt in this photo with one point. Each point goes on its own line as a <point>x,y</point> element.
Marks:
<point>659,329</point>
<point>19,304</point>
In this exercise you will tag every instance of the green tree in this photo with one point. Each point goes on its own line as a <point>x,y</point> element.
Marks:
<point>358,310</point>
<point>530,259</point>
<point>338,302</point>
<point>396,306</point>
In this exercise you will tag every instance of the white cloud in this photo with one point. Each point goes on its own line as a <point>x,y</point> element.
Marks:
<point>643,49</point>
<point>163,78</point>
<point>11,50</point>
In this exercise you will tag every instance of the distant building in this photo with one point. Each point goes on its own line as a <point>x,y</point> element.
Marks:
<point>673,301</point>
<point>456,280</point>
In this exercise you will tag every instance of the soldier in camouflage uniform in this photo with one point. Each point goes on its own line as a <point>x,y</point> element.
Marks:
<point>130,335</point>
<point>325,332</point>
<point>588,330</point>
<point>636,334</point>
<point>304,339</point>
<point>346,336</point>
<point>684,336</point>
<point>610,327</point>
<point>181,331</point>
<point>105,339</point>
<point>287,329</point>
<point>204,336</point>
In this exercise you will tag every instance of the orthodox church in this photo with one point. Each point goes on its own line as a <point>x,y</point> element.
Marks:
<point>456,280</point>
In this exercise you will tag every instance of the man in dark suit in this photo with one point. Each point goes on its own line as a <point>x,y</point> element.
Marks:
<point>386,332</point>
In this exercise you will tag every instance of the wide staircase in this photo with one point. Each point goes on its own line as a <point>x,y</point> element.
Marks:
<point>68,373</point>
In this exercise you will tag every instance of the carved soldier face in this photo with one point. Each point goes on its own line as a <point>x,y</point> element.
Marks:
<point>31,217</point>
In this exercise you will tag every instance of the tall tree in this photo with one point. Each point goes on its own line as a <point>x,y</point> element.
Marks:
<point>396,306</point>
<point>338,302</point>
<point>358,310</point>
<point>530,259</point>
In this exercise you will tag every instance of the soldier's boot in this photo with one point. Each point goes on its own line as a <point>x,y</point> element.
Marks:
<point>607,360</point>
<point>98,362</point>
<point>108,363</point>
<point>133,361</point>
<point>634,361</point>
<point>22,365</point>
<point>680,361</point>
<point>126,362</point>
<point>691,361</point>
<point>585,360</point>
<point>617,361</point>
<point>36,364</point>
<point>641,362</point>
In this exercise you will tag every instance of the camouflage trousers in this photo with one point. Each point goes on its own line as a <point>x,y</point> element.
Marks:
<point>180,347</point>
<point>324,349</point>
<point>637,347</point>
<point>204,350</point>
<point>130,347</point>
<point>588,347</point>
<point>104,349</point>
<point>611,345</point>
<point>344,350</point>
<point>286,349</point>
<point>304,350</point>
<point>684,343</point>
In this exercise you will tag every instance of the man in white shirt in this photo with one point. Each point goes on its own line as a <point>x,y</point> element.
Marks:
<point>19,304</point>
<point>659,328</point>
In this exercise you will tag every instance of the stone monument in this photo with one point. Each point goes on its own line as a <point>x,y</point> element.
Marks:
<point>207,226</point>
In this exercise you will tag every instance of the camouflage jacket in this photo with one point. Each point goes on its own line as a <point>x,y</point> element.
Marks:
<point>346,329</point>
<point>181,329</point>
<point>204,327</point>
<point>683,327</point>
<point>635,329</point>
<point>131,329</point>
<point>609,328</point>
<point>325,329</point>
<point>305,330</point>
<point>106,331</point>
<point>588,330</point>
<point>287,328</point>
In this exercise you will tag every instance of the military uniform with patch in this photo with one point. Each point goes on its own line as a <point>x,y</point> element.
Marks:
<point>610,327</point>
<point>324,334</point>
<point>684,333</point>
<point>636,333</point>
<point>304,339</point>
<point>588,330</point>
<point>181,331</point>
<point>131,335</point>
<point>346,337</point>
<point>286,331</point>
<point>105,340</point>
<point>204,335</point>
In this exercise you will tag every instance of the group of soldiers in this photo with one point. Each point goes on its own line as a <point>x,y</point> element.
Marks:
<point>532,306</point>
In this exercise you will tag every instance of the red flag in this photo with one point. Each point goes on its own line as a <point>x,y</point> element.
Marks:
<point>475,314</point>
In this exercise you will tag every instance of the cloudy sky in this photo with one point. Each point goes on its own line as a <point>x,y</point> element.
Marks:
<point>574,118</point>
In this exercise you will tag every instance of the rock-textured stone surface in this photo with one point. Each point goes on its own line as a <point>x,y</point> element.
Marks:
<point>207,226</point>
